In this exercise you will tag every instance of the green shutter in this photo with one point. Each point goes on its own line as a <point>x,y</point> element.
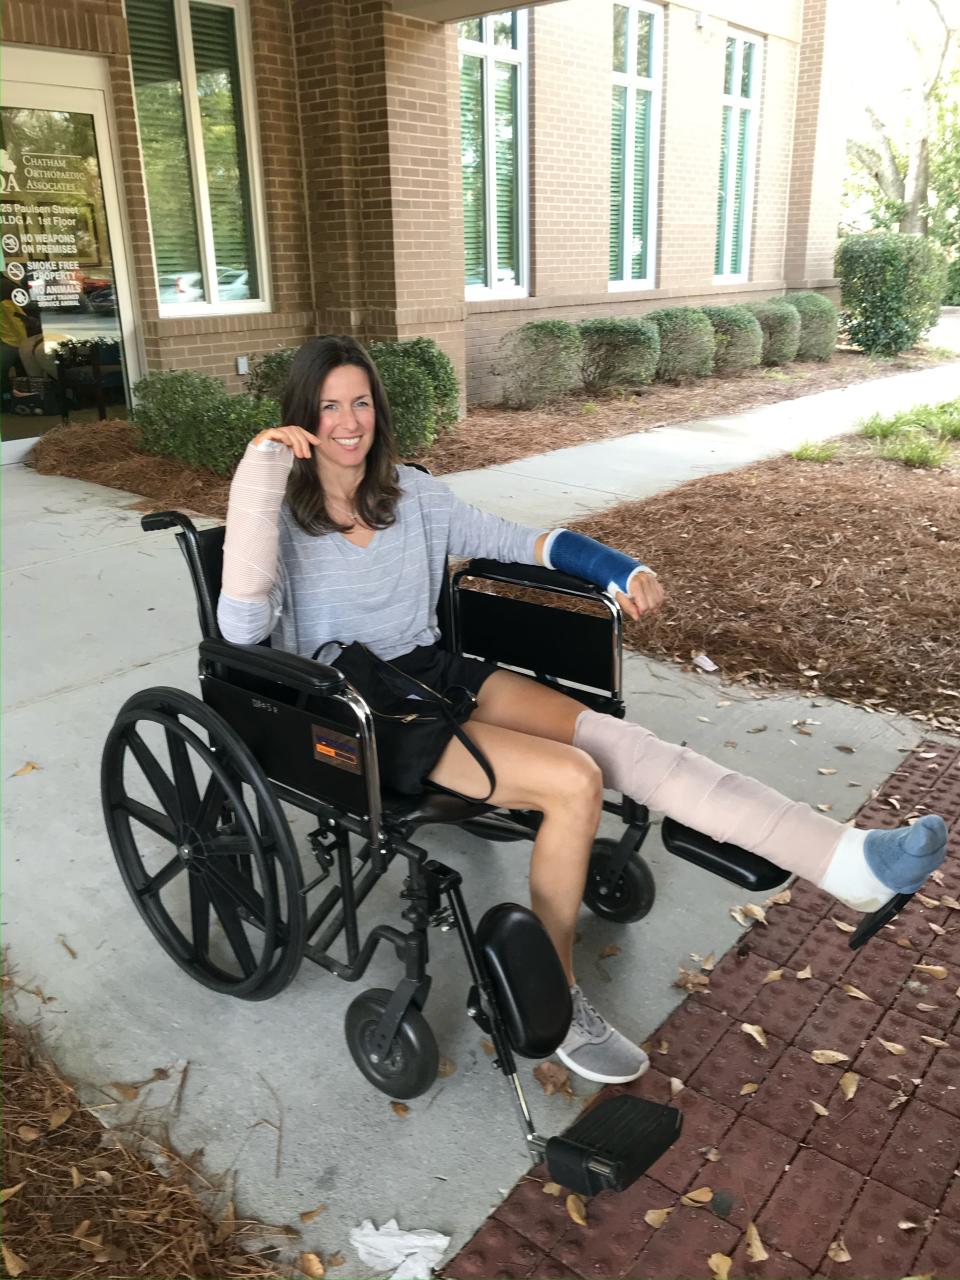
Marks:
<point>641,184</point>
<point>718,265</point>
<point>224,144</point>
<point>739,193</point>
<point>163,140</point>
<point>471,159</point>
<point>618,166</point>
<point>507,174</point>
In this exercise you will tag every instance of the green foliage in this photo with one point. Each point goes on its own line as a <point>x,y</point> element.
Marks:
<point>618,353</point>
<point>410,393</point>
<point>687,344</point>
<point>951,293</point>
<point>189,416</point>
<point>892,286</point>
<point>877,428</point>
<point>538,362</point>
<point>814,451</point>
<point>71,353</point>
<point>268,373</point>
<point>940,421</point>
<point>916,450</point>
<point>738,336</point>
<point>945,169</point>
<point>818,324</point>
<point>780,323</point>
<point>436,364</point>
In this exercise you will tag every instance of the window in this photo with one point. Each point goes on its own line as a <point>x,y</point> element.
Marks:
<point>493,153</point>
<point>195,136</point>
<point>634,130</point>
<point>741,97</point>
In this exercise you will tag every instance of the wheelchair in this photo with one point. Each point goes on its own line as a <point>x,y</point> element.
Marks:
<point>226,897</point>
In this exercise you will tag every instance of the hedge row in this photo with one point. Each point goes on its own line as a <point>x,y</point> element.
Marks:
<point>544,359</point>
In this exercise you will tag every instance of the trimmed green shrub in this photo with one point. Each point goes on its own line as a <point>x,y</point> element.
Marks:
<point>189,416</point>
<point>891,289</point>
<point>268,373</point>
<point>538,362</point>
<point>738,336</point>
<point>436,364</point>
<point>951,293</point>
<point>780,323</point>
<point>687,343</point>
<point>818,324</point>
<point>618,353</point>
<point>410,393</point>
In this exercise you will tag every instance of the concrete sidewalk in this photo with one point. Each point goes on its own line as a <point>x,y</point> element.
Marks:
<point>96,610</point>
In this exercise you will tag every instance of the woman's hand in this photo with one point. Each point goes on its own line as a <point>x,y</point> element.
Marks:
<point>646,595</point>
<point>295,438</point>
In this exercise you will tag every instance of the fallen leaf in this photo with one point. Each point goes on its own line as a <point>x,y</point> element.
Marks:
<point>848,1084</point>
<point>104,1178</point>
<point>927,902</point>
<point>13,1264</point>
<point>939,1044</point>
<point>898,1101</point>
<point>129,1092</point>
<point>657,1217</point>
<point>335,1260</point>
<point>927,1008</point>
<point>952,903</point>
<point>761,728</point>
<point>741,919</point>
<point>611,949</point>
<point>446,1068</point>
<point>937,875</point>
<point>76,1177</point>
<point>81,1229</point>
<point>819,1108</point>
<point>708,964</point>
<point>903,942</point>
<point>663,1046</point>
<point>827,1057</point>
<point>755,912</point>
<point>7,1192</point>
<point>690,980</point>
<point>906,1225</point>
<point>311,1265</point>
<point>827,773</point>
<point>838,1251</point>
<point>676,1086</point>
<point>720,1265</point>
<point>773,975</point>
<point>755,1030</point>
<point>755,1250</point>
<point>577,1210</point>
<point>842,925</point>
<point>552,1189</point>
<point>227,1224</point>
<point>25,768</point>
<point>308,1215</point>
<point>892,1047</point>
<point>711,1154</point>
<point>488,1047</point>
<point>59,1116</point>
<point>780,899</point>
<point>66,946</point>
<point>27,1133</point>
<point>553,1078</point>
<point>824,808</point>
<point>847,751</point>
<point>857,994</point>
<point>400,1109</point>
<point>805,972</point>
<point>702,1195</point>
<point>749,1087</point>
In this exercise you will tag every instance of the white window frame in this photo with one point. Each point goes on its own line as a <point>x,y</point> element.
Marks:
<point>191,110</point>
<point>738,103</point>
<point>632,82</point>
<point>491,53</point>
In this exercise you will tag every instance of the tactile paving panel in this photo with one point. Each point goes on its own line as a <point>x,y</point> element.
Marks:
<point>877,1245</point>
<point>683,1245</point>
<point>691,1031</point>
<point>783,1007</point>
<point>783,1100</point>
<point>615,1231</point>
<point>921,1154</point>
<point>549,1269</point>
<point>777,1266</point>
<point>735,980</point>
<point>542,1218</point>
<point>951,1201</point>
<point>941,1082</point>
<point>752,1159</point>
<point>780,938</point>
<point>897,1029</point>
<point>807,897</point>
<point>880,970</point>
<point>942,1006</point>
<point>854,1132</point>
<point>940,1255</point>
<point>496,1252</point>
<point>809,1205</point>
<point>841,1022</point>
<point>734,1061</point>
<point>704,1124</point>
<point>826,950</point>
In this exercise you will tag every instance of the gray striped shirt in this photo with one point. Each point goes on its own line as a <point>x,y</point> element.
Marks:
<point>329,590</point>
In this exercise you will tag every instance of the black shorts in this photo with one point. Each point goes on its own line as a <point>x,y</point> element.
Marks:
<point>407,753</point>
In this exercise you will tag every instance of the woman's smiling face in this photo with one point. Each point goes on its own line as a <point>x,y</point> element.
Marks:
<point>347,418</point>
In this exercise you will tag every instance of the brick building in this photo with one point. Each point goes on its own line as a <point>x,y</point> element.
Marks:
<point>234,175</point>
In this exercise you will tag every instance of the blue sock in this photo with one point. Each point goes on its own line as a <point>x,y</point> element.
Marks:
<point>903,859</point>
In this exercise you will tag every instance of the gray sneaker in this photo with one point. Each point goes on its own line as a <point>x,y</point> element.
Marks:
<point>595,1050</point>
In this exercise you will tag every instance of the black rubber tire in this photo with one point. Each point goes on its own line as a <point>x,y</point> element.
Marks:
<point>414,1059</point>
<point>633,895</point>
<point>240,860</point>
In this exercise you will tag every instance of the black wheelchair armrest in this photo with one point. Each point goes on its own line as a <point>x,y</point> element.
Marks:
<point>529,575</point>
<point>274,664</point>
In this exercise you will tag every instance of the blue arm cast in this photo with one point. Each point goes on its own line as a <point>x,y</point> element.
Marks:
<point>584,557</point>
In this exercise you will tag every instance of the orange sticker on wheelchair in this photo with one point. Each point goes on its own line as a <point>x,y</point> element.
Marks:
<point>335,748</point>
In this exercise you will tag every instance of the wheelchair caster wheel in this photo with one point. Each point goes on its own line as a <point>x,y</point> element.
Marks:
<point>410,1067</point>
<point>631,895</point>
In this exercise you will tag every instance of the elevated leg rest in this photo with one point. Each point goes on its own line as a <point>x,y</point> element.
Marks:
<point>612,1145</point>
<point>729,861</point>
<point>875,921</point>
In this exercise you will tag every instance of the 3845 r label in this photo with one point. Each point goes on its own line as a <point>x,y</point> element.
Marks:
<point>339,749</point>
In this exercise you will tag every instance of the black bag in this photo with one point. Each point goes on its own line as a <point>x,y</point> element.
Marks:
<point>412,731</point>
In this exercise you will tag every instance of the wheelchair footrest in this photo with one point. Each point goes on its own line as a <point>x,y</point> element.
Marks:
<point>612,1145</point>
<point>877,920</point>
<point>739,866</point>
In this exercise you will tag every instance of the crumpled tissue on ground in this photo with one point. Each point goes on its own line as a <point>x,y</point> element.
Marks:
<point>414,1254</point>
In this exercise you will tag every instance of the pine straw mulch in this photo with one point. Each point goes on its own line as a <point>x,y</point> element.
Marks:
<point>81,1200</point>
<point>838,578</point>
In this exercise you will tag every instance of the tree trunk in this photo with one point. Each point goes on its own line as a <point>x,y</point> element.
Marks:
<point>916,183</point>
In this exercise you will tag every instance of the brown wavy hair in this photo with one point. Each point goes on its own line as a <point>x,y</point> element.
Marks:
<point>378,492</point>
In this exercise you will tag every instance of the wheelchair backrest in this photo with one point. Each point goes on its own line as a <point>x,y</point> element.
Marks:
<point>203,552</point>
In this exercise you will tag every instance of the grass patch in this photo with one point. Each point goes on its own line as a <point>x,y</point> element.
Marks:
<point>877,428</point>
<point>917,437</point>
<point>815,451</point>
<point>915,450</point>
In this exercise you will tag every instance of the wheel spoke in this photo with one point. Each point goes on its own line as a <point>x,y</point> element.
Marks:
<point>232,927</point>
<point>156,821</point>
<point>209,808</point>
<point>165,791</point>
<point>227,846</point>
<point>183,777</point>
<point>199,918</point>
<point>162,878</point>
<point>239,889</point>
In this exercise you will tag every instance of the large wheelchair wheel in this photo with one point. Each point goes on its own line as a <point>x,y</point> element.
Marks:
<point>202,844</point>
<point>411,1065</point>
<point>630,897</point>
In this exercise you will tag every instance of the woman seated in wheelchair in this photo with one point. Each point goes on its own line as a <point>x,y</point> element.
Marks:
<point>329,541</point>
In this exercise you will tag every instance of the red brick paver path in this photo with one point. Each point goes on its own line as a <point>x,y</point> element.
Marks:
<point>886,1157</point>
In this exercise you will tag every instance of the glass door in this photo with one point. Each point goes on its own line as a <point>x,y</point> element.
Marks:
<point>64,304</point>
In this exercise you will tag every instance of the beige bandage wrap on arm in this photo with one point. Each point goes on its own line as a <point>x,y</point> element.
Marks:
<point>250,543</point>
